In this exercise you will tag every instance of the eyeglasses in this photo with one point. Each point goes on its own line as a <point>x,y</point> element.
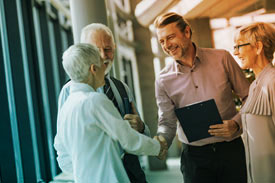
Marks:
<point>237,47</point>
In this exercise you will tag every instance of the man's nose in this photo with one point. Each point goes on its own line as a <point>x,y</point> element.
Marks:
<point>236,52</point>
<point>167,44</point>
<point>103,54</point>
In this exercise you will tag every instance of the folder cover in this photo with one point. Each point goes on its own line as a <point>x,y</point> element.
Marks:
<point>196,118</point>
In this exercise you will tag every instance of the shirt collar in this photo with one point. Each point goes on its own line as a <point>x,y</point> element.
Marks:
<point>180,68</point>
<point>199,54</point>
<point>76,87</point>
<point>107,76</point>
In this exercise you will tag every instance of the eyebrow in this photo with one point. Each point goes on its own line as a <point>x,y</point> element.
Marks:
<point>172,34</point>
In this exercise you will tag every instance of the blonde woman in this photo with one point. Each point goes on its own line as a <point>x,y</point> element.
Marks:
<point>255,44</point>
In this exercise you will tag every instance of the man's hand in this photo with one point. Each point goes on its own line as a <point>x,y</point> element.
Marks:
<point>226,130</point>
<point>135,122</point>
<point>163,147</point>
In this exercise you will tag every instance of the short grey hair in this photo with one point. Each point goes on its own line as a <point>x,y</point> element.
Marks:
<point>77,60</point>
<point>94,28</point>
<point>259,31</point>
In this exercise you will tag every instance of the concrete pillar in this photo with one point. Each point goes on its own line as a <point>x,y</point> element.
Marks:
<point>202,34</point>
<point>84,12</point>
<point>147,85</point>
<point>144,55</point>
<point>146,75</point>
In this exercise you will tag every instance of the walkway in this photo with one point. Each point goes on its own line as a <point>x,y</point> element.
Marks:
<point>171,175</point>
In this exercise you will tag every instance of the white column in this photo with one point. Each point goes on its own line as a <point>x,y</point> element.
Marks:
<point>84,12</point>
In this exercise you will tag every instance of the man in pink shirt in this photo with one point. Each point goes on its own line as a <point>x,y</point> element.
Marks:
<point>199,74</point>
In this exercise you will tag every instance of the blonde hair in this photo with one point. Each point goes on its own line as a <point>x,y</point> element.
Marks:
<point>259,31</point>
<point>171,17</point>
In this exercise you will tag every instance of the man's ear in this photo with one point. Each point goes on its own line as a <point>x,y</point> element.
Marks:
<point>93,69</point>
<point>187,32</point>
<point>259,46</point>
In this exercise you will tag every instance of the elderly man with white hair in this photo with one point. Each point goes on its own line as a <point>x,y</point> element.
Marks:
<point>117,91</point>
<point>90,130</point>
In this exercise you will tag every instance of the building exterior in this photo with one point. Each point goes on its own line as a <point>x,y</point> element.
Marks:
<point>33,36</point>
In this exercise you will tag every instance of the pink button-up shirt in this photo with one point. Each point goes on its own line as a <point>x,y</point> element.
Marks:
<point>214,74</point>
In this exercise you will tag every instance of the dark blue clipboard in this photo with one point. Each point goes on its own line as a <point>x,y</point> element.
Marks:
<point>196,118</point>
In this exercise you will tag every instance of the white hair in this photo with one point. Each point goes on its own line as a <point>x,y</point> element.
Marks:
<point>95,27</point>
<point>77,60</point>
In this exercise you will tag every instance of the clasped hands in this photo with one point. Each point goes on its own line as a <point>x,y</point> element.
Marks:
<point>137,124</point>
<point>163,147</point>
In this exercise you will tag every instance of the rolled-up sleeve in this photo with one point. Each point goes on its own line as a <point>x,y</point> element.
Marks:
<point>239,84</point>
<point>167,125</point>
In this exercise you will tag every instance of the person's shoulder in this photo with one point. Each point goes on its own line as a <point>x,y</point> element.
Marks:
<point>64,93</point>
<point>272,70</point>
<point>120,82</point>
<point>117,80</point>
<point>217,56</point>
<point>168,67</point>
<point>113,78</point>
<point>93,100</point>
<point>214,51</point>
<point>97,98</point>
<point>167,70</point>
<point>269,78</point>
<point>67,85</point>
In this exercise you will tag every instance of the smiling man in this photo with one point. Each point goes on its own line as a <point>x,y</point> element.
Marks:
<point>199,74</point>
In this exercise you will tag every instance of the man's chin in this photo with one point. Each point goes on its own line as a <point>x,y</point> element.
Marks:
<point>175,57</point>
<point>108,67</point>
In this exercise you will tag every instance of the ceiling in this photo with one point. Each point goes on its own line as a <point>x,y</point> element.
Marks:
<point>192,9</point>
<point>221,8</point>
<point>147,10</point>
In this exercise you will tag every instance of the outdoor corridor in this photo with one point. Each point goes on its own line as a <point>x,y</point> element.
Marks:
<point>171,175</point>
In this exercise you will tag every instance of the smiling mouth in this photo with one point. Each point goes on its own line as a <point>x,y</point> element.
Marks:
<point>173,50</point>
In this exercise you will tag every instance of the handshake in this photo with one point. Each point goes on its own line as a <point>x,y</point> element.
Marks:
<point>163,147</point>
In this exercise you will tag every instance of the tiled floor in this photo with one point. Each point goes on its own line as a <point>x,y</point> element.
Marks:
<point>171,175</point>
